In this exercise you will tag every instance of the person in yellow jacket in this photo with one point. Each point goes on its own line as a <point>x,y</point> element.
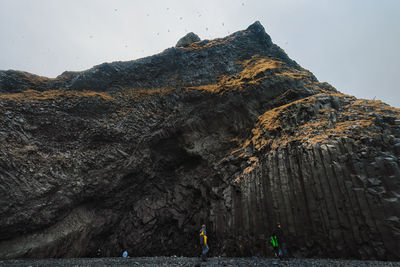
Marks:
<point>203,242</point>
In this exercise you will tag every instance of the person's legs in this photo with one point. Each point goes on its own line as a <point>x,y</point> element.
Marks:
<point>280,252</point>
<point>276,251</point>
<point>204,252</point>
<point>284,250</point>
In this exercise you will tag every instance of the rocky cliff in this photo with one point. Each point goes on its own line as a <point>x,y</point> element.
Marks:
<point>229,132</point>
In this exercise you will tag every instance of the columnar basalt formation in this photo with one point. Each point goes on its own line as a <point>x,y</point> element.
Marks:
<point>228,132</point>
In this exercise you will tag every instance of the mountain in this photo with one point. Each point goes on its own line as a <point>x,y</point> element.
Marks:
<point>228,132</point>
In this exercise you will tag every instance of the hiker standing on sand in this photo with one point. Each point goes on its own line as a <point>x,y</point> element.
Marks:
<point>203,242</point>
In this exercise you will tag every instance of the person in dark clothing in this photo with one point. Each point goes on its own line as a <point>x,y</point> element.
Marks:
<point>274,242</point>
<point>203,242</point>
<point>279,239</point>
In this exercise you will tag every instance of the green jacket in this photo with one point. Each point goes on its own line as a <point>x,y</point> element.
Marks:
<point>274,241</point>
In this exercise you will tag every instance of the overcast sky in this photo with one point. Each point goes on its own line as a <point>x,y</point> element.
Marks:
<point>352,44</point>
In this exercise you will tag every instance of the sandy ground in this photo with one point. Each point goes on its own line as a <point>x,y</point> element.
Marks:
<point>183,261</point>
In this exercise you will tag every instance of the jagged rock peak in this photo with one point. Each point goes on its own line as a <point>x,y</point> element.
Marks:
<point>188,39</point>
<point>259,31</point>
<point>256,26</point>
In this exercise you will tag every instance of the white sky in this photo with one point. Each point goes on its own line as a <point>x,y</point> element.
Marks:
<point>352,44</point>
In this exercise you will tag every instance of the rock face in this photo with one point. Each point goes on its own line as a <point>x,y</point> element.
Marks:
<point>229,132</point>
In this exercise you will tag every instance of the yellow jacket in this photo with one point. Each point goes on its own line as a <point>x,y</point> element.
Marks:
<point>203,238</point>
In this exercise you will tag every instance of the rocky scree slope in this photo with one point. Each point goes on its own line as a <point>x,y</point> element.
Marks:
<point>228,132</point>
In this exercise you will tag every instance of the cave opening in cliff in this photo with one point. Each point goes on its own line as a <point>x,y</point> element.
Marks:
<point>169,154</point>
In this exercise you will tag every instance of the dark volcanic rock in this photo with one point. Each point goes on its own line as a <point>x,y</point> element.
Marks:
<point>187,40</point>
<point>228,132</point>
